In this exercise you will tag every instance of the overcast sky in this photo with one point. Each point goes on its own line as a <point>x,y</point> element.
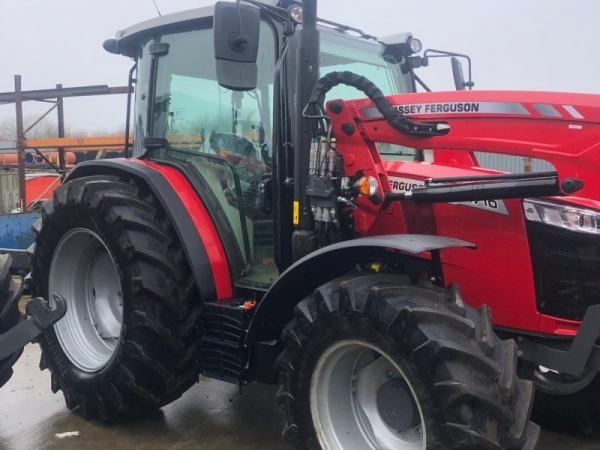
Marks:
<point>514,44</point>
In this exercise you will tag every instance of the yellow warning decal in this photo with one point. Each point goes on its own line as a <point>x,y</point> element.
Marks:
<point>296,213</point>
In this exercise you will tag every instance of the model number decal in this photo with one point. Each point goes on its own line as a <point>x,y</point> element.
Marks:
<point>496,206</point>
<point>400,184</point>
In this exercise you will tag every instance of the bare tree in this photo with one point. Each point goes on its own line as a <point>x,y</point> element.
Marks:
<point>47,128</point>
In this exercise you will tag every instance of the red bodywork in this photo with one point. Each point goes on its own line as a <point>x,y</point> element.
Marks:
<point>40,187</point>
<point>563,129</point>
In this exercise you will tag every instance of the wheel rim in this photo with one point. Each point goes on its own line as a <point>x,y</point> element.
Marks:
<point>361,399</point>
<point>85,274</point>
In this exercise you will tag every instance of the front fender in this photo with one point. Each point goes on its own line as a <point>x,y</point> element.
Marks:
<point>276,308</point>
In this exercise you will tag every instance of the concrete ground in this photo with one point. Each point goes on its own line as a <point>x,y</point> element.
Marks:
<point>211,416</point>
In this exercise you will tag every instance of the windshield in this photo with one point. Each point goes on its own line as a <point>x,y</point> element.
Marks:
<point>340,53</point>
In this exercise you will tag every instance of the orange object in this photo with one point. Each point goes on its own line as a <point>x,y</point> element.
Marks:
<point>249,304</point>
<point>40,186</point>
<point>11,159</point>
<point>89,142</point>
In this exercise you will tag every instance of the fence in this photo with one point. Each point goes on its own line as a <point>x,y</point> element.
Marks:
<point>515,164</point>
<point>9,190</point>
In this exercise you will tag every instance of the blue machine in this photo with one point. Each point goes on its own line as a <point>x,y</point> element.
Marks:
<point>16,236</point>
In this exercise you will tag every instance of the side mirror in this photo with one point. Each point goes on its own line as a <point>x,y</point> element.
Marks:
<point>457,73</point>
<point>236,33</point>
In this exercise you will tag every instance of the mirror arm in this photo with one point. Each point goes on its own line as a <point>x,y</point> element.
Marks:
<point>444,54</point>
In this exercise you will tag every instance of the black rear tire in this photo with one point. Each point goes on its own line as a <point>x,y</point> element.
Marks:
<point>462,377</point>
<point>10,293</point>
<point>155,360</point>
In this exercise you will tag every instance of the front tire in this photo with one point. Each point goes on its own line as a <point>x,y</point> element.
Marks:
<point>373,362</point>
<point>127,345</point>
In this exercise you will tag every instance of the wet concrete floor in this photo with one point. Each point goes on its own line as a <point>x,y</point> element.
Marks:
<point>211,416</point>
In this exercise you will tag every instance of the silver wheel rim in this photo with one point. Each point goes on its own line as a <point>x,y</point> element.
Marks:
<point>357,393</point>
<point>84,272</point>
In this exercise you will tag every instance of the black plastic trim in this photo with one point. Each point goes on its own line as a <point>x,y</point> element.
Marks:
<point>170,201</point>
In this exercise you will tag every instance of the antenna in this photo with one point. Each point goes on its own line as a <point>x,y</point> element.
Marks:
<point>156,6</point>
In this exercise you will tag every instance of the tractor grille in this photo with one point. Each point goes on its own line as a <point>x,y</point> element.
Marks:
<point>566,267</point>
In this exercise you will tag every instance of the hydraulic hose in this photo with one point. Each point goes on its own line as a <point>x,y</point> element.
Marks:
<point>394,117</point>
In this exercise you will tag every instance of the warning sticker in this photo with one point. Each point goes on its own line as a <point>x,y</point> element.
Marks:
<point>296,215</point>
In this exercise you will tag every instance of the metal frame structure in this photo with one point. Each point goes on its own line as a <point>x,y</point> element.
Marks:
<point>56,97</point>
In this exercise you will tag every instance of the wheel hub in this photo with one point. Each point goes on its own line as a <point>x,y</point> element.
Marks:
<point>84,272</point>
<point>396,405</point>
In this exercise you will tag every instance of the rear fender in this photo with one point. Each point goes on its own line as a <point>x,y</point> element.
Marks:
<point>211,286</point>
<point>276,308</point>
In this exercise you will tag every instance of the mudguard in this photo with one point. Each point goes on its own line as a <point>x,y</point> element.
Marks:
<point>170,200</point>
<point>276,308</point>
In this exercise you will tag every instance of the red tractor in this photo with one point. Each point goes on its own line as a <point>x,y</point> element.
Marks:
<point>257,235</point>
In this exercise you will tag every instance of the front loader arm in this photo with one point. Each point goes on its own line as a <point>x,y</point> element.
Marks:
<point>561,128</point>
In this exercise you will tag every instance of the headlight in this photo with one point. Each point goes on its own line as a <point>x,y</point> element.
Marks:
<point>296,13</point>
<point>563,216</point>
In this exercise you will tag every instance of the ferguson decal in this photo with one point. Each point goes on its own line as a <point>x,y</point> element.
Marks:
<point>400,184</point>
<point>432,108</point>
<point>511,108</point>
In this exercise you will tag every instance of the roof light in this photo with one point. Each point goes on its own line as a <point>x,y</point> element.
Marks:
<point>296,13</point>
<point>415,45</point>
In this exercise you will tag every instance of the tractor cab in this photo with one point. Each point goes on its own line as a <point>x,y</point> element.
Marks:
<point>237,146</point>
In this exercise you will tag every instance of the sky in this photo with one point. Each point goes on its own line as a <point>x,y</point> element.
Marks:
<point>514,44</point>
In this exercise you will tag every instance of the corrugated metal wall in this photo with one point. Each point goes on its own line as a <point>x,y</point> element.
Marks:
<point>509,163</point>
<point>9,190</point>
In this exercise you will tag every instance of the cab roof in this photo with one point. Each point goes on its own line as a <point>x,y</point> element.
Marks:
<point>174,20</point>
